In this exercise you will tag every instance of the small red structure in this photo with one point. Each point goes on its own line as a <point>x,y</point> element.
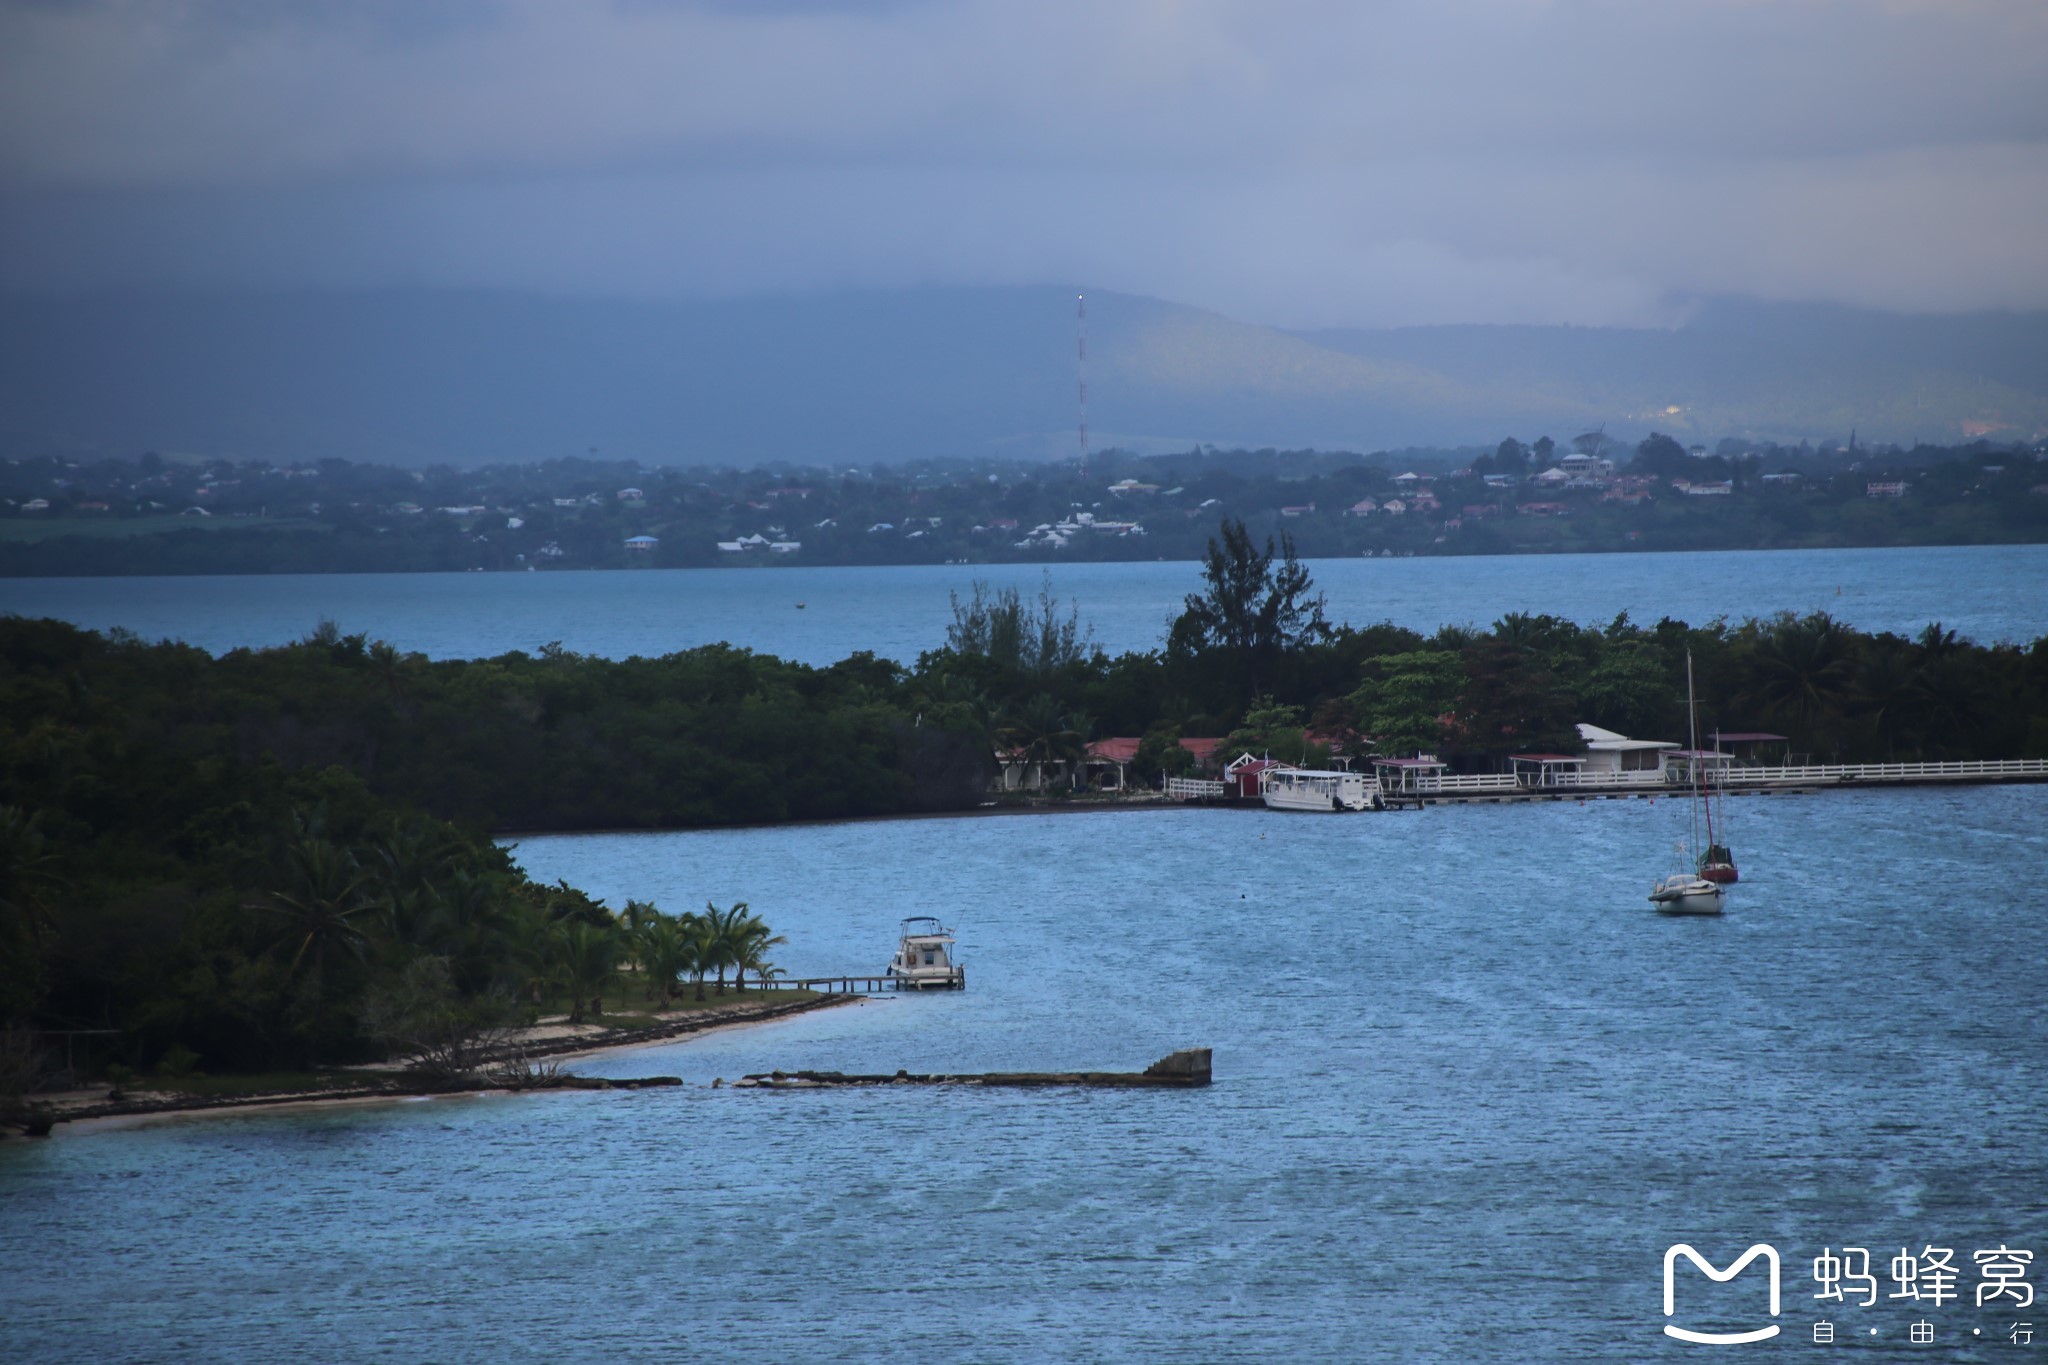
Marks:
<point>1241,775</point>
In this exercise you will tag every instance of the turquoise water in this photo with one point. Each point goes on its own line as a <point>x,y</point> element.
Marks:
<point>1468,1091</point>
<point>1989,593</point>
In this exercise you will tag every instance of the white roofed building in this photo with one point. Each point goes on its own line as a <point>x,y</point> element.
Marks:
<point>1608,752</point>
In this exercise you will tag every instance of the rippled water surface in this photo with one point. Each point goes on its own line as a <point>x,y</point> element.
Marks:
<point>1468,1090</point>
<point>1989,593</point>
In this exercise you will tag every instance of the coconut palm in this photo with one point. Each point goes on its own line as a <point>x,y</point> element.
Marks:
<point>1802,668</point>
<point>326,904</point>
<point>408,858</point>
<point>663,947</point>
<point>586,962</point>
<point>752,940</point>
<point>28,870</point>
<point>1043,733</point>
<point>699,950</point>
<point>727,936</point>
<point>467,924</point>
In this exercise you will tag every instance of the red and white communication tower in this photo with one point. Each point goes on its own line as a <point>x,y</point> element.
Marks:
<point>1081,370</point>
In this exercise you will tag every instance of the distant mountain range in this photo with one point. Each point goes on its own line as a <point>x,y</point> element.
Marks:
<point>425,376</point>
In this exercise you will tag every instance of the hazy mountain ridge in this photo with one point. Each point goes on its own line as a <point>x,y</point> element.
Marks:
<point>464,377</point>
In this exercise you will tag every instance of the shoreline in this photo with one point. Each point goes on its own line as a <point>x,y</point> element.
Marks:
<point>1155,801</point>
<point>105,1115</point>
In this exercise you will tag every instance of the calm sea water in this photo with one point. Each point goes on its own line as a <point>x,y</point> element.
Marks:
<point>1468,1091</point>
<point>1989,593</point>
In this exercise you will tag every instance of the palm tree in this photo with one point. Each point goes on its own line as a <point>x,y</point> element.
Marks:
<point>28,879</point>
<point>530,941</point>
<point>1950,700</point>
<point>1802,668</point>
<point>752,941</point>
<point>726,934</point>
<point>326,904</point>
<point>28,870</point>
<point>586,961</point>
<point>699,950</point>
<point>1884,689</point>
<point>1043,733</point>
<point>663,947</point>
<point>467,924</point>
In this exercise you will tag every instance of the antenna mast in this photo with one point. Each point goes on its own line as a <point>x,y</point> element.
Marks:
<point>1081,371</point>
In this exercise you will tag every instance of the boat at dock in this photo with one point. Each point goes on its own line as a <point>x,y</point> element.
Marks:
<point>1310,789</point>
<point>924,958</point>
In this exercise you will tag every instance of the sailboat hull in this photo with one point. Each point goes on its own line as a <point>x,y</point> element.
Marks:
<point>1687,896</point>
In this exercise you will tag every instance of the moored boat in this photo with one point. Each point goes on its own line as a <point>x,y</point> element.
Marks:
<point>1717,864</point>
<point>1691,893</point>
<point>1684,894</point>
<point>924,958</point>
<point>1310,789</point>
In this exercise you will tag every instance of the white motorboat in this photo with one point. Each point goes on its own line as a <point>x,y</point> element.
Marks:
<point>1312,789</point>
<point>924,958</point>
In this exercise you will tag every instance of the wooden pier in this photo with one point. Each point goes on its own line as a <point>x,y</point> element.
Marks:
<point>843,985</point>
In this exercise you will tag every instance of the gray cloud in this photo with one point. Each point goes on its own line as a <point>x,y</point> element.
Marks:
<point>1315,163</point>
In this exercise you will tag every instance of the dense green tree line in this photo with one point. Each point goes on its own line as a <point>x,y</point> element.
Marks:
<point>231,858</point>
<point>1252,657</point>
<point>279,857</point>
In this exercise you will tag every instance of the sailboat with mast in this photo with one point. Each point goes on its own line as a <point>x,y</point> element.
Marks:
<point>1717,864</point>
<point>1687,892</point>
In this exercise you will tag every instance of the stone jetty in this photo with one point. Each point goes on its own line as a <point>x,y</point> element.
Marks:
<point>1183,1069</point>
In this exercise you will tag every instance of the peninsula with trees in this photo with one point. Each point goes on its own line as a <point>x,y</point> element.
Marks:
<point>283,858</point>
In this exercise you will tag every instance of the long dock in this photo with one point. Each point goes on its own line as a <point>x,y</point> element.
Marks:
<point>1184,1069</point>
<point>1733,781</point>
<point>1433,789</point>
<point>848,985</point>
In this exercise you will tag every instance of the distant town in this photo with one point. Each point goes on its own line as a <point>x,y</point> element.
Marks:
<point>161,514</point>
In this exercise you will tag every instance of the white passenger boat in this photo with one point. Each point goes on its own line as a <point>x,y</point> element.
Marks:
<point>924,958</point>
<point>1317,790</point>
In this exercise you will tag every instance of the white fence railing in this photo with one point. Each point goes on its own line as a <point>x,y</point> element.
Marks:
<point>1194,789</point>
<point>1734,778</point>
<point>1458,784</point>
<point>1892,772</point>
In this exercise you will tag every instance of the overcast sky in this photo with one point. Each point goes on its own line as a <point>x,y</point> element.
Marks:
<point>1329,162</point>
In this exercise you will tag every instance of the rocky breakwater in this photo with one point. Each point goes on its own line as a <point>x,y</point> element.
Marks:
<point>1178,1070</point>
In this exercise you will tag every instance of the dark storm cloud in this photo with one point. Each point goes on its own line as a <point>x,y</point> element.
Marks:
<point>1313,163</point>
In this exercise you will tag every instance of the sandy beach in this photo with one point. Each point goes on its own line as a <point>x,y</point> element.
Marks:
<point>89,1109</point>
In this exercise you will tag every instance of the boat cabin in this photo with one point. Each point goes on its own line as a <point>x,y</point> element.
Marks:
<point>924,957</point>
